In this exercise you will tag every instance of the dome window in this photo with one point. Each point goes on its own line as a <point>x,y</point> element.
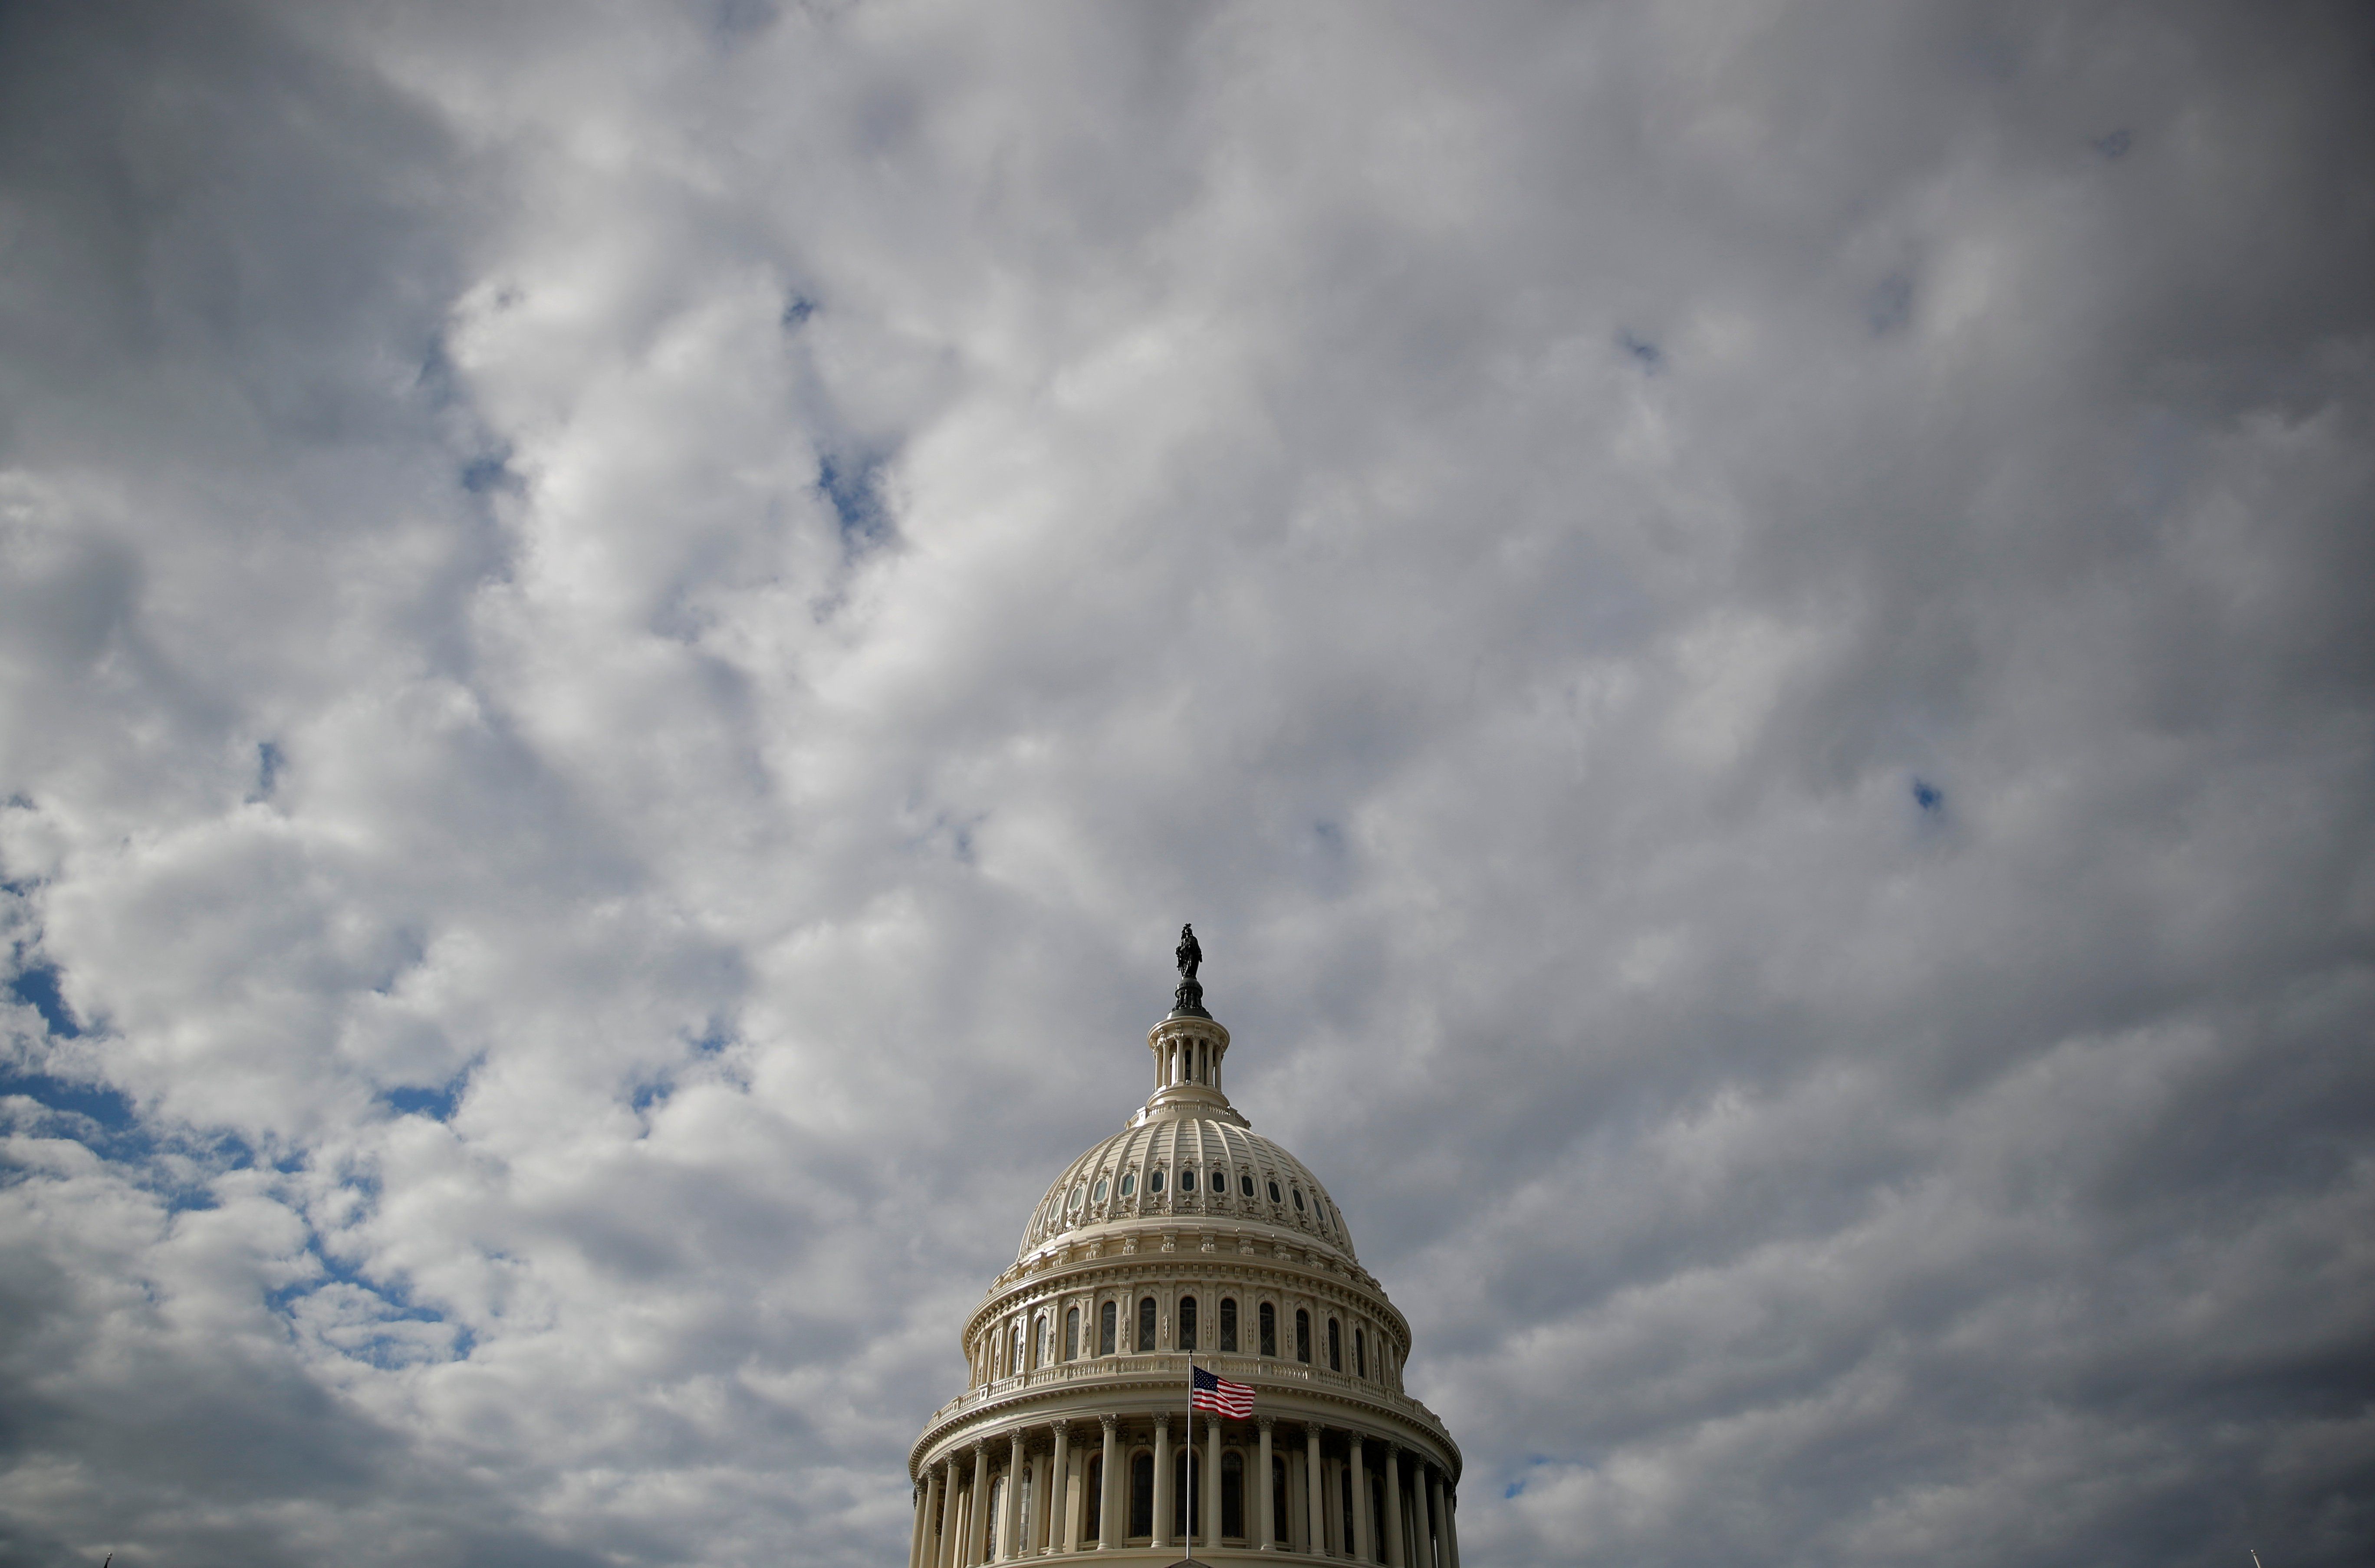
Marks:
<point>1129,1183</point>
<point>1079,1193</point>
<point>1101,1189</point>
<point>1187,1179</point>
<point>1246,1185</point>
<point>1154,1181</point>
<point>1298,1199</point>
<point>1273,1192</point>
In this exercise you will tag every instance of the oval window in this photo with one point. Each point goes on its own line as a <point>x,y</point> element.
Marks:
<point>1298,1198</point>
<point>1079,1194</point>
<point>1129,1183</point>
<point>1188,1181</point>
<point>1245,1185</point>
<point>1154,1180</point>
<point>1101,1189</point>
<point>1273,1192</point>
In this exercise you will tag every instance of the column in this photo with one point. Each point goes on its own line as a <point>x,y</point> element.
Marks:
<point>1162,1480</point>
<point>1212,1484</point>
<point>1450,1526</point>
<point>1009,1523</point>
<point>1338,1520</point>
<point>977,1505</point>
<point>1266,1515</point>
<point>1394,1558</point>
<point>1364,1549</point>
<point>1107,1533</point>
<point>1297,1523</point>
<point>1422,1549</point>
<point>1314,1476</point>
<point>915,1539</point>
<point>1442,1519</point>
<point>1058,1537</point>
<point>947,1557</point>
<point>1076,1495</point>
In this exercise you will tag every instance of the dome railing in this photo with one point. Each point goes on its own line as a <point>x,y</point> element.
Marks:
<point>1157,1366</point>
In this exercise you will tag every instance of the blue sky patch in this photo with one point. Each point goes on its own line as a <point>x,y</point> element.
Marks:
<point>437,1104</point>
<point>853,490</point>
<point>489,474</point>
<point>269,761</point>
<point>36,985</point>
<point>1929,797</point>
<point>109,1111</point>
<point>1646,354</point>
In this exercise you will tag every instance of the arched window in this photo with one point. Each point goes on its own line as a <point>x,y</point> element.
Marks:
<point>1273,1192</point>
<point>1302,1336</point>
<point>1360,1353</point>
<point>1269,1329</point>
<point>1129,1183</point>
<point>1072,1333</point>
<point>1228,1322</point>
<point>1093,1498</point>
<point>1154,1181</point>
<point>1278,1508</point>
<point>1101,1189</point>
<point>1183,1505</point>
<point>997,1495</point>
<point>1022,1520</point>
<point>1188,1178</point>
<point>1335,1348</point>
<point>1146,1323</point>
<point>1188,1323</point>
<point>1141,1493</point>
<point>1106,1331</point>
<point>1245,1184</point>
<point>1232,1494</point>
<point>1298,1198</point>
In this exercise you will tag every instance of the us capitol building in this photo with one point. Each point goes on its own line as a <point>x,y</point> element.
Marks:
<point>1186,1235</point>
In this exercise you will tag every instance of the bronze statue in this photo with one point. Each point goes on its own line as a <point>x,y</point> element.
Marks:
<point>1190,997</point>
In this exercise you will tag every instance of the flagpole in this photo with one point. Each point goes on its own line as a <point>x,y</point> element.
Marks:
<point>1188,1504</point>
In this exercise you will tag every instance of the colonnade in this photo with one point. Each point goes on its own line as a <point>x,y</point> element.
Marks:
<point>1397,1506</point>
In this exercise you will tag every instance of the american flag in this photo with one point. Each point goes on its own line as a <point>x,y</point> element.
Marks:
<point>1218,1395</point>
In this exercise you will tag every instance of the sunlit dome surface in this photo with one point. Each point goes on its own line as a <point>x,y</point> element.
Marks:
<point>1187,1167</point>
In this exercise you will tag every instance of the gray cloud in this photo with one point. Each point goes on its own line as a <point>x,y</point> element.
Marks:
<point>623,640</point>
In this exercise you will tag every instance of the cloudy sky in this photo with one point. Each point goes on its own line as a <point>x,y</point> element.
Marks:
<point>625,632</point>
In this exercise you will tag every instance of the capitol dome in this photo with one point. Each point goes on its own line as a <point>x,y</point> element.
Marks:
<point>1185,1167</point>
<point>1186,1243</point>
